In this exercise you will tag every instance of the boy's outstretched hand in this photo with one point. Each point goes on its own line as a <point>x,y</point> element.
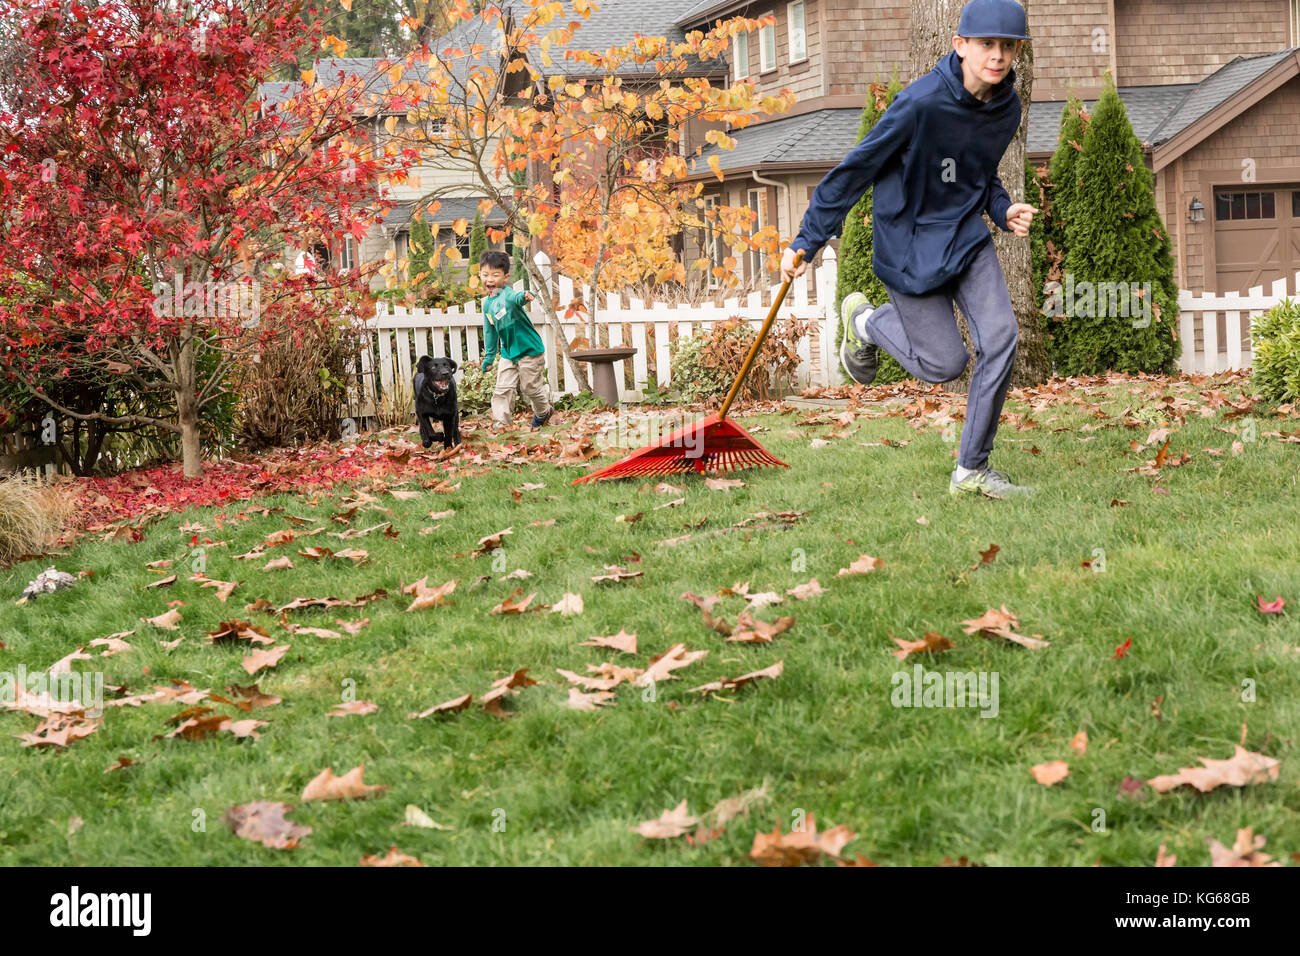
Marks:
<point>1019,217</point>
<point>788,270</point>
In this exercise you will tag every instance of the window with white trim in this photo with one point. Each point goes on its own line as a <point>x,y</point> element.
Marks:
<point>797,35</point>
<point>740,54</point>
<point>348,258</point>
<point>767,46</point>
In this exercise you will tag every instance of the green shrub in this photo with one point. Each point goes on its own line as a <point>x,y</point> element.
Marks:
<point>1275,338</point>
<point>691,376</point>
<point>474,390</point>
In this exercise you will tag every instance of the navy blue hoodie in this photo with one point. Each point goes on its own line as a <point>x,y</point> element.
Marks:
<point>932,158</point>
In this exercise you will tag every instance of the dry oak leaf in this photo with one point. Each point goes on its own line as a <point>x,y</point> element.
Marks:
<point>492,541</point>
<point>278,564</point>
<point>326,786</point>
<point>617,573</point>
<point>1079,743</point>
<point>111,644</point>
<point>999,623</point>
<point>1245,851</point>
<point>446,707</point>
<point>1052,772</point>
<point>622,641</point>
<point>223,587</point>
<point>1165,860</point>
<point>752,631</point>
<point>735,683</point>
<point>167,621</point>
<point>863,565</point>
<point>723,484</point>
<point>239,630</point>
<point>264,823</point>
<point>163,582</point>
<point>568,604</point>
<point>1243,768</point>
<point>580,701</point>
<point>803,592</point>
<point>353,708</point>
<point>932,642</point>
<point>669,824</point>
<point>661,667</point>
<point>799,846</point>
<point>608,669</point>
<point>394,857</point>
<point>590,683</point>
<point>426,597</point>
<point>255,661</point>
<point>513,605</point>
<point>59,730</point>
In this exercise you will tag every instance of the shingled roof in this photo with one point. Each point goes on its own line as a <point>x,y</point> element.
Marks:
<point>1157,114</point>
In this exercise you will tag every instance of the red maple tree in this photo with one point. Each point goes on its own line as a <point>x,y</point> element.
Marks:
<point>147,195</point>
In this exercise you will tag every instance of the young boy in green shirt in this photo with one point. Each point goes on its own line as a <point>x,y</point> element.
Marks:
<point>507,328</point>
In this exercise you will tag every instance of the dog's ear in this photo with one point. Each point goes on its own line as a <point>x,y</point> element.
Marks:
<point>454,366</point>
<point>424,363</point>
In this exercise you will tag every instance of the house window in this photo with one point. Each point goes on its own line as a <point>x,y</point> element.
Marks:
<point>798,37</point>
<point>462,246</point>
<point>1244,205</point>
<point>401,245</point>
<point>348,259</point>
<point>754,258</point>
<point>1295,204</point>
<point>767,47</point>
<point>740,53</point>
<point>713,247</point>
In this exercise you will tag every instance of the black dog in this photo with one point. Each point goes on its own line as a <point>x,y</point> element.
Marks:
<point>435,398</point>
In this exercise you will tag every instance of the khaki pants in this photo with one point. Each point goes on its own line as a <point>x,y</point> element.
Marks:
<point>528,375</point>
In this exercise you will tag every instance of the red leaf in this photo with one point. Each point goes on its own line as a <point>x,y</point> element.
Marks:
<point>1122,650</point>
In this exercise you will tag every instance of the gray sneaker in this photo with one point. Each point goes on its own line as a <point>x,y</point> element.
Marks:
<point>860,359</point>
<point>990,483</point>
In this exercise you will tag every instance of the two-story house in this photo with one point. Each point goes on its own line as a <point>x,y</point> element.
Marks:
<point>1210,86</point>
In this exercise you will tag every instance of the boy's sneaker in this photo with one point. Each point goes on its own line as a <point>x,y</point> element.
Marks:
<point>540,420</point>
<point>860,358</point>
<point>988,482</point>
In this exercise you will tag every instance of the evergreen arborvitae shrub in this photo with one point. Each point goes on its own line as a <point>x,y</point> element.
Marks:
<point>1114,236</point>
<point>477,241</point>
<point>854,264</point>
<point>420,246</point>
<point>1060,190</point>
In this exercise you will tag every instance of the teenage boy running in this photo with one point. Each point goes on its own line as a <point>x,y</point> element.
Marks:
<point>933,160</point>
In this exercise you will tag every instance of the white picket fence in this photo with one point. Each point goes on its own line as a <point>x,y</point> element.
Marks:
<point>1202,314</point>
<point>398,337</point>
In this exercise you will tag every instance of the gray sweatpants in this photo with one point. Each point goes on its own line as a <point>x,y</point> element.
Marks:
<point>920,331</point>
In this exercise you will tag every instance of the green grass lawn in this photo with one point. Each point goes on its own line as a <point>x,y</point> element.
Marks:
<point>556,785</point>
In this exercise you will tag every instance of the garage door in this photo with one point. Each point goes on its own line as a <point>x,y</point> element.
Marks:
<point>1257,237</point>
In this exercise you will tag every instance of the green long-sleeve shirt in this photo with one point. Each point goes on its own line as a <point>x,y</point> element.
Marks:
<point>507,328</point>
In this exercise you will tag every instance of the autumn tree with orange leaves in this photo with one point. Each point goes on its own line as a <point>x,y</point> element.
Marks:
<point>600,134</point>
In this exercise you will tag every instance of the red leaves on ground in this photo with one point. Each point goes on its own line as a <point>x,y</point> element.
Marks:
<point>800,846</point>
<point>1272,607</point>
<point>1122,650</point>
<point>264,823</point>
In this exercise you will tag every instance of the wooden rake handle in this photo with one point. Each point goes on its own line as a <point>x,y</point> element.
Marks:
<point>758,342</point>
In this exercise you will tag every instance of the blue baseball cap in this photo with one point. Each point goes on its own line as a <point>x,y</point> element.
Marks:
<point>993,18</point>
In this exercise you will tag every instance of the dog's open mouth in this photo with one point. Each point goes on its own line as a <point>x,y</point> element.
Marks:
<point>441,384</point>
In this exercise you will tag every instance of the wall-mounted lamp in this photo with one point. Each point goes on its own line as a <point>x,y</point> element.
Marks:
<point>1196,212</point>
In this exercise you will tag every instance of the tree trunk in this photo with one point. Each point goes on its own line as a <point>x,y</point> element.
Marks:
<point>934,24</point>
<point>542,288</point>
<point>187,406</point>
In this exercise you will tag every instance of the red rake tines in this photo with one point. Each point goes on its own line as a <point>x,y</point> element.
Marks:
<point>713,444</point>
